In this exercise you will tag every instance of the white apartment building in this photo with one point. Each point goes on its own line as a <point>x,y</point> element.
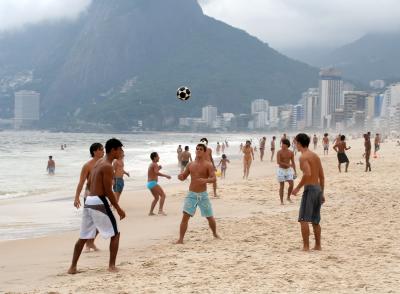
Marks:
<point>26,107</point>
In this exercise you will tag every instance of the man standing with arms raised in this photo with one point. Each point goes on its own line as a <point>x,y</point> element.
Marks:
<point>97,215</point>
<point>313,181</point>
<point>201,173</point>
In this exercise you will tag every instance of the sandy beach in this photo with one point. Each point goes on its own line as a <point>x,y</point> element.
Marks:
<point>260,250</point>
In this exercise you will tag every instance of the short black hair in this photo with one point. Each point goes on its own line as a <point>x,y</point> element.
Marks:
<point>326,135</point>
<point>303,139</point>
<point>274,137</point>
<point>204,139</point>
<point>342,137</point>
<point>223,156</point>
<point>50,157</point>
<point>203,146</point>
<point>186,148</point>
<point>286,142</point>
<point>153,155</point>
<point>113,144</point>
<point>94,147</point>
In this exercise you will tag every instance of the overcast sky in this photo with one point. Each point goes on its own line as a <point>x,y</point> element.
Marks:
<point>284,24</point>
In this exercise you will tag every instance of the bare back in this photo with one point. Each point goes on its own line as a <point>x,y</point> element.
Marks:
<point>185,156</point>
<point>341,146</point>
<point>152,172</point>
<point>100,180</point>
<point>118,168</point>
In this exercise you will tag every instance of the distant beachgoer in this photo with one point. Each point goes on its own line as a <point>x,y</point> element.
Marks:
<point>218,149</point>
<point>226,143</point>
<point>152,184</point>
<point>96,152</point>
<point>62,147</point>
<point>287,169</point>
<point>262,147</point>
<point>65,146</point>
<point>209,157</point>
<point>224,165</point>
<point>325,143</point>
<point>340,148</point>
<point>202,172</point>
<point>313,197</point>
<point>248,157</point>
<point>294,146</point>
<point>119,173</point>
<point>273,148</point>
<point>368,147</point>
<point>186,156</point>
<point>97,214</point>
<point>377,143</point>
<point>179,153</point>
<point>398,143</point>
<point>51,166</point>
<point>223,147</point>
<point>240,148</point>
<point>315,141</point>
<point>282,138</point>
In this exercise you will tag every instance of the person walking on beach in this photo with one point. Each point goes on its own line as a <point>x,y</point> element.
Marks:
<point>209,157</point>
<point>273,148</point>
<point>179,153</point>
<point>186,156</point>
<point>377,145</point>
<point>202,172</point>
<point>97,214</point>
<point>262,147</point>
<point>313,197</point>
<point>325,143</point>
<point>367,146</point>
<point>340,148</point>
<point>224,165</point>
<point>286,169</point>
<point>282,138</point>
<point>315,141</point>
<point>96,152</point>
<point>119,172</point>
<point>51,166</point>
<point>248,157</point>
<point>218,149</point>
<point>153,173</point>
<point>223,147</point>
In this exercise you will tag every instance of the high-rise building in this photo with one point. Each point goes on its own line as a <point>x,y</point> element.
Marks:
<point>209,115</point>
<point>330,95</point>
<point>309,101</point>
<point>26,108</point>
<point>297,117</point>
<point>260,120</point>
<point>259,105</point>
<point>354,103</point>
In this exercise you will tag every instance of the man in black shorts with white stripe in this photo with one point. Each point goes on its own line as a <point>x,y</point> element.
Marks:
<point>313,181</point>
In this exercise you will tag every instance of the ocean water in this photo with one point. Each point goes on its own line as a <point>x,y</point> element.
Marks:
<point>29,197</point>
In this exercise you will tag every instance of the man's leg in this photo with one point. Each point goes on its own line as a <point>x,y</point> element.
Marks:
<point>183,227</point>
<point>160,192</point>
<point>77,253</point>
<point>339,167</point>
<point>317,235</point>
<point>213,226</point>
<point>305,233</point>
<point>153,204</point>
<point>281,188</point>
<point>114,244</point>
<point>215,188</point>
<point>347,166</point>
<point>117,194</point>
<point>289,192</point>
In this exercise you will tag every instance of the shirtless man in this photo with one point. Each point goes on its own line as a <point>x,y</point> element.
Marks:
<point>152,184</point>
<point>340,148</point>
<point>325,143</point>
<point>119,172</point>
<point>97,152</point>
<point>51,166</point>
<point>97,214</point>
<point>286,170</point>
<point>273,148</point>
<point>262,147</point>
<point>283,138</point>
<point>210,158</point>
<point>185,158</point>
<point>202,172</point>
<point>248,157</point>
<point>377,144</point>
<point>315,141</point>
<point>179,153</point>
<point>367,146</point>
<point>313,181</point>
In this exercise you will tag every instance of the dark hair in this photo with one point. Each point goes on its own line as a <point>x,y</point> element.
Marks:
<point>204,139</point>
<point>186,148</point>
<point>203,146</point>
<point>113,144</point>
<point>223,156</point>
<point>326,135</point>
<point>94,147</point>
<point>286,142</point>
<point>273,137</point>
<point>50,157</point>
<point>264,137</point>
<point>342,137</point>
<point>153,155</point>
<point>303,139</point>
<point>248,141</point>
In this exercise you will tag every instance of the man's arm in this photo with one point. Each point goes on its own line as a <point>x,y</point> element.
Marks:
<point>190,157</point>
<point>157,172</point>
<point>211,158</point>
<point>108,175</point>
<point>345,147</point>
<point>335,147</point>
<point>252,153</point>
<point>183,176</point>
<point>293,163</point>
<point>305,167</point>
<point>82,179</point>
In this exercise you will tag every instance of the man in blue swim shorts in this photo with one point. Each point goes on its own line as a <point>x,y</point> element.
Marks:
<point>119,172</point>
<point>152,184</point>
<point>202,173</point>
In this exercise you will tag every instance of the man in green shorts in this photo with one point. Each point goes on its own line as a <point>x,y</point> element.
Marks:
<point>202,173</point>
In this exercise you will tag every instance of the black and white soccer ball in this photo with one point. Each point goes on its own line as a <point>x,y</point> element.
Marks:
<point>183,93</point>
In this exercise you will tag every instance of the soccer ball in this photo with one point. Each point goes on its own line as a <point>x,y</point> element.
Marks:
<point>183,93</point>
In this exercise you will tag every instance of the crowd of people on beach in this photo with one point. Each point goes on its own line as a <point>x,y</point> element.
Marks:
<point>104,178</point>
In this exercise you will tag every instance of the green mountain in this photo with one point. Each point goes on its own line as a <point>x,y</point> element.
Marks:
<point>122,61</point>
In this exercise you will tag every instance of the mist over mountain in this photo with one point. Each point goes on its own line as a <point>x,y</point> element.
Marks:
<point>122,61</point>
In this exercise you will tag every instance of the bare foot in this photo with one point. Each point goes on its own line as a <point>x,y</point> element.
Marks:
<point>306,249</point>
<point>290,200</point>
<point>72,270</point>
<point>113,269</point>
<point>282,203</point>
<point>216,236</point>
<point>317,248</point>
<point>88,247</point>
<point>162,213</point>
<point>151,214</point>
<point>179,242</point>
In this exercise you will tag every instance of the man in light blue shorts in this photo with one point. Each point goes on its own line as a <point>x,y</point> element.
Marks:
<point>202,172</point>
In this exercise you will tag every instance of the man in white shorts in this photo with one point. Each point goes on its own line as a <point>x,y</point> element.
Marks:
<point>287,169</point>
<point>97,214</point>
